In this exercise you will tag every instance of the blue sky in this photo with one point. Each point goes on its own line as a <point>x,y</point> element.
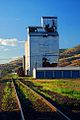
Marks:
<point>16,15</point>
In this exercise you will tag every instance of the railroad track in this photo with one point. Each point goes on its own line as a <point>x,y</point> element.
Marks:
<point>19,104</point>
<point>33,106</point>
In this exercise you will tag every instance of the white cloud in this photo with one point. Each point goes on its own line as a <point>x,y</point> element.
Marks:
<point>8,42</point>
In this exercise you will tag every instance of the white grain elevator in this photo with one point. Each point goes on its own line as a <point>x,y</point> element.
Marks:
<point>42,45</point>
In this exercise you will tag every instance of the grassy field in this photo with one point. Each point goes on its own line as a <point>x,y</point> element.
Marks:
<point>64,94</point>
<point>36,103</point>
<point>70,88</point>
<point>9,108</point>
<point>8,97</point>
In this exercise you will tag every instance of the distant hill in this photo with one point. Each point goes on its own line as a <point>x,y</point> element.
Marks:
<point>61,50</point>
<point>17,62</point>
<point>10,67</point>
<point>13,64</point>
<point>70,57</point>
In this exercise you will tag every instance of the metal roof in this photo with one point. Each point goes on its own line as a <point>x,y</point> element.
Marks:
<point>58,68</point>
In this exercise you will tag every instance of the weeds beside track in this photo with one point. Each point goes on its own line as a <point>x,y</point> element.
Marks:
<point>36,107</point>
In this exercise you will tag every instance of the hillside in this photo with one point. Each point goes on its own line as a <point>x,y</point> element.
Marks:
<point>70,57</point>
<point>12,64</point>
<point>10,67</point>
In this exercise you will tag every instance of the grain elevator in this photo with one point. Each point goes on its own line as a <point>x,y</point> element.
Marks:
<point>42,45</point>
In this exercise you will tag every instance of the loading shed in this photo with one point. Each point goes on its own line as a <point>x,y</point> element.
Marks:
<point>56,72</point>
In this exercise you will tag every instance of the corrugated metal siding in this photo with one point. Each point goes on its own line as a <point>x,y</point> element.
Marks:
<point>48,74</point>
<point>66,74</point>
<point>39,74</point>
<point>38,47</point>
<point>57,74</point>
<point>76,74</point>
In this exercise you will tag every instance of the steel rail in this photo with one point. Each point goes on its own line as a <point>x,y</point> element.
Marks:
<point>22,115</point>
<point>54,109</point>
